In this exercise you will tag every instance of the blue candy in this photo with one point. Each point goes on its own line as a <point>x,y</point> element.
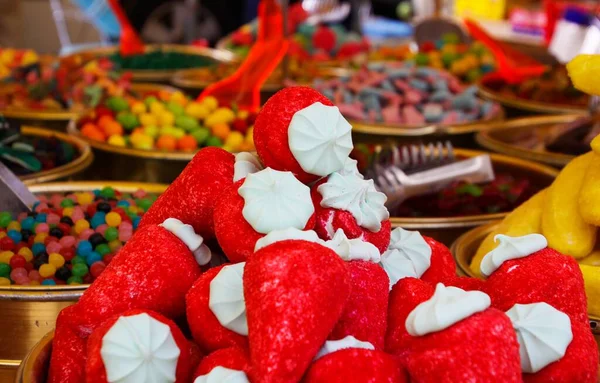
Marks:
<point>136,222</point>
<point>387,85</point>
<point>433,112</point>
<point>92,258</point>
<point>41,217</point>
<point>15,236</point>
<point>27,223</point>
<point>38,248</point>
<point>84,248</point>
<point>440,95</point>
<point>123,203</point>
<point>418,84</point>
<point>399,73</point>
<point>98,219</point>
<point>48,282</point>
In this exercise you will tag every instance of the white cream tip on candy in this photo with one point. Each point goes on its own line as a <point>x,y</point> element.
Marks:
<point>353,249</point>
<point>332,346</point>
<point>408,255</point>
<point>287,234</point>
<point>447,306</point>
<point>245,163</point>
<point>275,200</point>
<point>193,241</point>
<point>350,167</point>
<point>544,334</point>
<point>356,196</point>
<point>320,139</point>
<point>139,348</point>
<point>226,298</point>
<point>511,248</point>
<point>221,374</point>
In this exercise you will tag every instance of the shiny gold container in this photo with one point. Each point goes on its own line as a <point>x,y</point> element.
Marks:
<point>447,229</point>
<point>29,312</point>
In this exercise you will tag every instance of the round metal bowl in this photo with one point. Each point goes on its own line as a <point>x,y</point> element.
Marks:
<point>29,312</point>
<point>525,137</point>
<point>74,167</point>
<point>447,229</point>
<point>522,104</point>
<point>153,75</point>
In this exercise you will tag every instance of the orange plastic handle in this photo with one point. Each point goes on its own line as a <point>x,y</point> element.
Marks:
<point>129,43</point>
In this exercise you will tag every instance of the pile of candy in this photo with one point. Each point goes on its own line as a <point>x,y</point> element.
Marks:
<point>11,59</point>
<point>160,60</point>
<point>68,239</point>
<point>30,154</point>
<point>168,121</point>
<point>319,288</point>
<point>399,94</point>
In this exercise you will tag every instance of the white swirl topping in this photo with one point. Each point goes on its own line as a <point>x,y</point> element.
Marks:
<point>245,163</point>
<point>193,241</point>
<point>543,332</point>
<point>285,234</point>
<point>226,298</point>
<point>221,374</point>
<point>357,196</point>
<point>139,348</point>
<point>408,255</point>
<point>353,249</point>
<point>332,346</point>
<point>511,248</point>
<point>447,306</point>
<point>275,200</point>
<point>320,139</point>
<point>350,167</point>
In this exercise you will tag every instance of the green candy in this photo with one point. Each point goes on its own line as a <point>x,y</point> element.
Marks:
<point>473,75</point>
<point>448,58</point>
<point>5,218</point>
<point>201,135</point>
<point>4,270</point>
<point>77,260</point>
<point>186,122</point>
<point>118,104</point>
<point>74,280</point>
<point>421,59</point>
<point>111,234</point>
<point>107,192</point>
<point>450,38</point>
<point>471,189</point>
<point>150,100</point>
<point>175,108</point>
<point>128,120</point>
<point>79,270</point>
<point>143,203</point>
<point>102,249</point>
<point>151,131</point>
<point>214,141</point>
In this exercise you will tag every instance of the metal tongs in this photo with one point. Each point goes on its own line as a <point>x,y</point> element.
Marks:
<point>409,171</point>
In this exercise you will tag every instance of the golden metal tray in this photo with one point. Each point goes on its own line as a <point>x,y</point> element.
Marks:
<point>29,312</point>
<point>524,138</point>
<point>152,75</point>
<point>447,229</point>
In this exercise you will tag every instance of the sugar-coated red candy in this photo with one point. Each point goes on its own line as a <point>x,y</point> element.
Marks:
<point>357,365</point>
<point>67,361</point>
<point>204,325</point>
<point>271,128</point>
<point>295,292</point>
<point>365,312</point>
<point>544,276</point>
<point>443,266</point>
<point>191,198</point>
<point>95,369</point>
<point>468,283</point>
<point>234,358</point>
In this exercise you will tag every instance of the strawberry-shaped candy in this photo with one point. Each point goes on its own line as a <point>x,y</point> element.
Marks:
<point>346,201</point>
<point>215,308</point>
<point>262,202</point>
<point>553,347</point>
<point>68,348</point>
<point>295,293</point>
<point>409,254</point>
<point>468,283</point>
<point>359,365</point>
<point>138,346</point>
<point>233,358</point>
<point>455,337</point>
<point>523,270</point>
<point>191,198</point>
<point>299,130</point>
<point>324,38</point>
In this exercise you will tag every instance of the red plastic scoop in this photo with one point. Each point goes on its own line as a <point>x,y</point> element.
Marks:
<point>513,66</point>
<point>130,43</point>
<point>243,87</point>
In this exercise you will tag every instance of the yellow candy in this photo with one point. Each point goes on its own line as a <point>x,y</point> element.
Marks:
<point>40,237</point>
<point>197,110</point>
<point>117,140</point>
<point>211,103</point>
<point>7,56</point>
<point>4,281</point>
<point>29,58</point>
<point>243,114</point>
<point>148,119</point>
<point>81,225</point>
<point>26,253</point>
<point>2,234</point>
<point>595,144</point>
<point>227,148</point>
<point>85,198</point>
<point>525,219</point>
<point>591,278</point>
<point>142,141</point>
<point>589,196</point>
<point>591,260</point>
<point>234,140</point>
<point>583,70</point>
<point>34,283</point>
<point>138,108</point>
<point>56,260</point>
<point>219,116</point>
<point>113,219</point>
<point>5,256</point>
<point>14,225</point>
<point>179,98</point>
<point>562,224</point>
<point>114,245</point>
<point>157,108</point>
<point>47,270</point>
<point>67,211</point>
<point>166,118</point>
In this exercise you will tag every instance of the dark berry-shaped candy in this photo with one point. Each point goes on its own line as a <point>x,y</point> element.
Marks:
<point>40,259</point>
<point>63,273</point>
<point>56,232</point>
<point>96,239</point>
<point>67,220</point>
<point>103,207</point>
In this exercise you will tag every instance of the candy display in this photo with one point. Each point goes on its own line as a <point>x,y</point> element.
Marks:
<point>160,59</point>
<point>11,59</point>
<point>406,95</point>
<point>316,287</point>
<point>168,121</point>
<point>68,238</point>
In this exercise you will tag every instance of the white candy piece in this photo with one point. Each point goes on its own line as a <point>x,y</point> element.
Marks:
<point>447,306</point>
<point>350,167</point>
<point>193,241</point>
<point>275,200</point>
<point>353,249</point>
<point>223,375</point>
<point>139,348</point>
<point>543,332</point>
<point>357,196</point>
<point>286,234</point>
<point>320,139</point>
<point>332,346</point>
<point>511,248</point>
<point>226,298</point>
<point>245,163</point>
<point>408,255</point>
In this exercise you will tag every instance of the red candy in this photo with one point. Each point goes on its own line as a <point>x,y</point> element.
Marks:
<point>17,261</point>
<point>443,266</point>
<point>295,292</point>
<point>324,38</point>
<point>234,358</point>
<point>67,361</point>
